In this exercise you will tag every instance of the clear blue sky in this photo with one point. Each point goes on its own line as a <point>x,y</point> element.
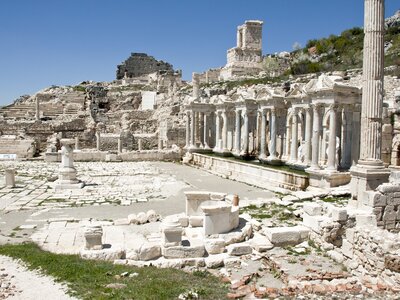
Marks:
<point>63,42</point>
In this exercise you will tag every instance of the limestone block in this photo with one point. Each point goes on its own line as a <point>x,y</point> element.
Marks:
<point>152,216</point>
<point>366,220</point>
<point>285,236</point>
<point>217,196</point>
<point>183,251</point>
<point>132,219</point>
<point>215,261</point>
<point>146,251</point>
<point>239,249</point>
<point>393,200</point>
<point>260,243</point>
<point>197,195</point>
<point>109,254</point>
<point>214,246</point>
<point>196,221</point>
<point>123,221</point>
<point>389,214</point>
<point>375,199</point>
<point>141,218</point>
<point>10,177</point>
<point>339,214</point>
<point>347,248</point>
<point>378,212</point>
<point>336,256</point>
<point>312,209</point>
<point>386,188</point>
<point>93,238</point>
<point>237,236</point>
<point>314,222</point>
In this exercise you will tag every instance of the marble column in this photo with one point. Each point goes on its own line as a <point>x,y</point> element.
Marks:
<point>332,140</point>
<point>67,172</point>
<point>263,141</point>
<point>224,131</point>
<point>308,136</point>
<point>370,172</point>
<point>206,130</point>
<point>37,110</point>
<point>315,137</point>
<point>192,129</point>
<point>245,133</point>
<point>217,130</point>
<point>238,129</point>
<point>76,143</point>
<point>119,145</point>
<point>98,140</point>
<point>187,130</point>
<point>272,151</point>
<point>294,145</point>
<point>201,129</point>
<point>372,97</point>
<point>140,147</point>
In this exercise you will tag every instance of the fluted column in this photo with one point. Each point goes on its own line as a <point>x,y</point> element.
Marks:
<point>315,137</point>
<point>332,139</point>
<point>372,98</point>
<point>187,129</point>
<point>238,128</point>
<point>201,129</point>
<point>196,85</point>
<point>293,148</point>
<point>272,151</point>
<point>245,133</point>
<point>263,141</point>
<point>217,130</point>
<point>206,130</point>
<point>308,136</point>
<point>224,131</point>
<point>192,129</point>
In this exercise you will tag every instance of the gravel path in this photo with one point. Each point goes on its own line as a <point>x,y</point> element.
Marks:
<point>17,282</point>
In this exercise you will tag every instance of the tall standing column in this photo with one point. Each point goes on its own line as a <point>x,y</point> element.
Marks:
<point>263,141</point>
<point>238,129</point>
<point>196,86</point>
<point>272,151</point>
<point>293,148</point>
<point>201,129</point>
<point>192,129</point>
<point>245,133</point>
<point>224,131</point>
<point>217,130</point>
<point>187,129</point>
<point>315,137</point>
<point>206,130</point>
<point>332,140</point>
<point>98,140</point>
<point>372,98</point>
<point>307,158</point>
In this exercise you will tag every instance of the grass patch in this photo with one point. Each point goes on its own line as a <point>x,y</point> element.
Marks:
<point>279,215</point>
<point>88,279</point>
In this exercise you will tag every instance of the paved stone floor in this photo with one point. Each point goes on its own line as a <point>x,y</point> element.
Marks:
<point>112,191</point>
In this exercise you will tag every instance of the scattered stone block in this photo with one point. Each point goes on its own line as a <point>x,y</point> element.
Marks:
<point>152,216</point>
<point>196,221</point>
<point>171,231</point>
<point>260,243</point>
<point>366,220</point>
<point>286,236</point>
<point>141,218</point>
<point>314,222</point>
<point>392,263</point>
<point>146,251</point>
<point>132,219</point>
<point>183,251</point>
<point>215,261</point>
<point>214,246</point>
<point>109,254</point>
<point>10,177</point>
<point>123,221</point>
<point>239,249</point>
<point>339,214</point>
<point>312,209</point>
<point>347,248</point>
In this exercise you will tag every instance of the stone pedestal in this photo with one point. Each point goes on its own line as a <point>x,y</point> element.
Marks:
<point>171,233</point>
<point>67,172</point>
<point>366,179</point>
<point>93,238</point>
<point>327,179</point>
<point>10,178</point>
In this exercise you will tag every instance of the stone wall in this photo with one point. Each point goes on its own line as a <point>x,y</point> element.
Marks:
<point>139,64</point>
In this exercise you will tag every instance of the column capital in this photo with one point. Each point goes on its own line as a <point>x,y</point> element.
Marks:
<point>333,106</point>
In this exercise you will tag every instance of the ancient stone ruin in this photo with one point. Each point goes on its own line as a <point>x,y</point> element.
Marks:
<point>285,188</point>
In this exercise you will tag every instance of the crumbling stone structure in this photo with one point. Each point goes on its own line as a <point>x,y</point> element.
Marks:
<point>140,64</point>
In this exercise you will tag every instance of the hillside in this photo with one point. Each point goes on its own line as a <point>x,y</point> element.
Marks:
<point>335,53</point>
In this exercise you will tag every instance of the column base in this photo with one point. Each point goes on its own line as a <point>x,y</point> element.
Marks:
<point>366,177</point>
<point>63,185</point>
<point>327,179</point>
<point>273,161</point>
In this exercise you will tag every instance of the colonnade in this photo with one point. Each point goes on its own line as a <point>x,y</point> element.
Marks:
<point>299,132</point>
